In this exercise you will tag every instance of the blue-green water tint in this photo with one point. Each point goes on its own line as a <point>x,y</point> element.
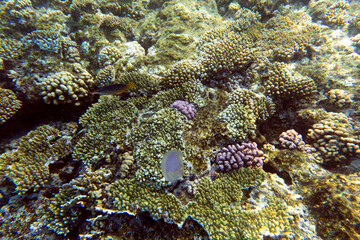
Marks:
<point>172,165</point>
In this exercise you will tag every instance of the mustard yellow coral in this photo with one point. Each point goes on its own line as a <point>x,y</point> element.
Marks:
<point>9,104</point>
<point>28,164</point>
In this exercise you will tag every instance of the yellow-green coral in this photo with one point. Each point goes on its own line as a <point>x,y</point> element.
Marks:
<point>281,82</point>
<point>130,194</point>
<point>69,205</point>
<point>28,164</point>
<point>262,106</point>
<point>217,205</point>
<point>108,123</point>
<point>241,121</point>
<point>334,201</point>
<point>9,104</point>
<point>152,137</point>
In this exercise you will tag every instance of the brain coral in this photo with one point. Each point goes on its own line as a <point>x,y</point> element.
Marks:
<point>9,104</point>
<point>28,164</point>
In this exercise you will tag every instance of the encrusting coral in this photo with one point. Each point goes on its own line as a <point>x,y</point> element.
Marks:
<point>9,104</point>
<point>217,204</point>
<point>28,164</point>
<point>107,122</point>
<point>152,137</point>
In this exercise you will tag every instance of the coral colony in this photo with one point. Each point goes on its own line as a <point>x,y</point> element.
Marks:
<point>186,108</point>
<point>179,119</point>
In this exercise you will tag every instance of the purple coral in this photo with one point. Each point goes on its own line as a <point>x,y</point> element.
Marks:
<point>186,108</point>
<point>293,140</point>
<point>238,155</point>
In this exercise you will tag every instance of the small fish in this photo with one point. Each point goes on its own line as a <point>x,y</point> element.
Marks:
<point>114,89</point>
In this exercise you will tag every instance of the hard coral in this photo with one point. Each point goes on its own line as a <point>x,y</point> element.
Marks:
<point>222,209</point>
<point>152,137</point>
<point>9,104</point>
<point>262,106</point>
<point>236,156</point>
<point>293,140</point>
<point>66,87</point>
<point>281,82</point>
<point>107,122</point>
<point>28,164</point>
<point>335,139</point>
<point>186,108</point>
<point>241,121</point>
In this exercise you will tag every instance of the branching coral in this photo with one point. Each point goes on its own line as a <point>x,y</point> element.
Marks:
<point>69,205</point>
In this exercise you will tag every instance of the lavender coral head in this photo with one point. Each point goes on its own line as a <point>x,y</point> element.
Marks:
<point>238,155</point>
<point>186,108</point>
<point>293,140</point>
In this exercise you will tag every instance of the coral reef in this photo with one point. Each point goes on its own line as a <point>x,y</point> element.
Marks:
<point>204,145</point>
<point>186,108</point>
<point>9,104</point>
<point>237,156</point>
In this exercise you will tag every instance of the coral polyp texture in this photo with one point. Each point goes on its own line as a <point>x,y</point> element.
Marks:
<point>282,82</point>
<point>220,209</point>
<point>240,121</point>
<point>340,98</point>
<point>237,155</point>
<point>9,104</point>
